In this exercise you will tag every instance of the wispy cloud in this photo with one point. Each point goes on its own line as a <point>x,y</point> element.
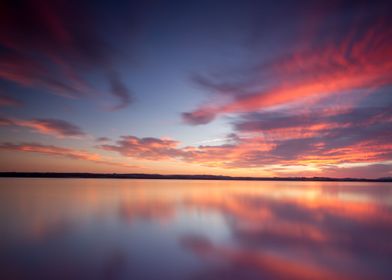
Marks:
<point>61,42</point>
<point>62,152</point>
<point>121,91</point>
<point>55,127</point>
<point>6,100</point>
<point>318,69</point>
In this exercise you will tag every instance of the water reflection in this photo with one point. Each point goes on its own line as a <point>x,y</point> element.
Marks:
<point>151,229</point>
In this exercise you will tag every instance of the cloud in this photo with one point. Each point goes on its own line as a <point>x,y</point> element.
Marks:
<point>367,171</point>
<point>323,103</point>
<point>6,122</point>
<point>52,46</point>
<point>344,126</point>
<point>60,151</point>
<point>9,101</point>
<point>55,127</point>
<point>201,116</point>
<point>148,148</point>
<point>316,69</point>
<point>120,90</point>
<point>315,142</point>
<point>102,139</point>
<point>51,150</point>
<point>329,136</point>
<point>320,146</point>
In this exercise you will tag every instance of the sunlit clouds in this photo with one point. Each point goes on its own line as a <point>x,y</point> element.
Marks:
<point>357,63</point>
<point>246,88</point>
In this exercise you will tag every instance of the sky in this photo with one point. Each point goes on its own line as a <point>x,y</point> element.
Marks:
<point>241,88</point>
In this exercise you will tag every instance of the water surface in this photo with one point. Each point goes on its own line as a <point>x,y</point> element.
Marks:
<point>174,229</point>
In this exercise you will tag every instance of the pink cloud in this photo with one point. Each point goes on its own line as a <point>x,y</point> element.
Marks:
<point>60,151</point>
<point>360,61</point>
<point>269,141</point>
<point>55,127</point>
<point>145,148</point>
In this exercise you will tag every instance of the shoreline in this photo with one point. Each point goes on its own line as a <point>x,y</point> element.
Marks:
<point>179,177</point>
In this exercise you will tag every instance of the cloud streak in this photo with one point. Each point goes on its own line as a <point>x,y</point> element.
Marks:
<point>121,91</point>
<point>8,101</point>
<point>52,46</point>
<point>60,151</point>
<point>359,61</point>
<point>54,127</point>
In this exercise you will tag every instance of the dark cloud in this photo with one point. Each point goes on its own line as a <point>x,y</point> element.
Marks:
<point>121,91</point>
<point>52,45</point>
<point>367,171</point>
<point>60,127</point>
<point>102,139</point>
<point>6,100</point>
<point>198,117</point>
<point>344,117</point>
<point>6,122</point>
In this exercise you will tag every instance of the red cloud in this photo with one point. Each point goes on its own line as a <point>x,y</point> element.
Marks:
<point>361,61</point>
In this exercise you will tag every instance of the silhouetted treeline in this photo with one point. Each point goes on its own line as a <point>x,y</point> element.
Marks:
<point>180,177</point>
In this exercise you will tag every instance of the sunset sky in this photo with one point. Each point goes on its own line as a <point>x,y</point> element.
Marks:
<point>241,88</point>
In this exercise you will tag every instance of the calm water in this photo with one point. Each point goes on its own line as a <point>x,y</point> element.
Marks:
<point>172,229</point>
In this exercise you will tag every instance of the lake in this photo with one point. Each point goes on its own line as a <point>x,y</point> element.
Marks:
<point>189,229</point>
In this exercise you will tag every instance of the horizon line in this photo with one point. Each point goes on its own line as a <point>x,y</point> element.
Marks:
<point>17,174</point>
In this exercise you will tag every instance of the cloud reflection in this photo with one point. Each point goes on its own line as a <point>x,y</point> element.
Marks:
<point>212,230</point>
